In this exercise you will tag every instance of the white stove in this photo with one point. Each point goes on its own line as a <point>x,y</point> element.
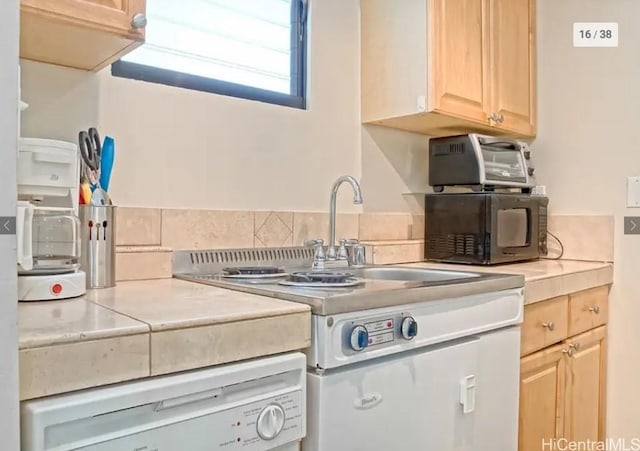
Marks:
<point>407,359</point>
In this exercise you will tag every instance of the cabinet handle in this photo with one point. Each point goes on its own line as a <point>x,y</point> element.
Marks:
<point>493,117</point>
<point>595,309</point>
<point>549,325</point>
<point>501,118</point>
<point>138,21</point>
<point>572,349</point>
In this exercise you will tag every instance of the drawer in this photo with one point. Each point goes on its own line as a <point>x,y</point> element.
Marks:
<point>545,323</point>
<point>588,309</point>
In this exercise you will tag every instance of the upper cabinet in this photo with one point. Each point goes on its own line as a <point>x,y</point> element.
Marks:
<point>512,64</point>
<point>443,67</point>
<point>85,34</point>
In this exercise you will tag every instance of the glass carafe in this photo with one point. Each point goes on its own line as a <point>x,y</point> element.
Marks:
<point>55,241</point>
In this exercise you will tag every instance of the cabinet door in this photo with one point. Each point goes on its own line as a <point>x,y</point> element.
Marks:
<point>512,65</point>
<point>542,385</point>
<point>111,15</point>
<point>456,60</point>
<point>585,398</point>
<point>85,34</point>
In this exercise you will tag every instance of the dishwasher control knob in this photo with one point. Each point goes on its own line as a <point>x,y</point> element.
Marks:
<point>409,328</point>
<point>270,422</point>
<point>359,338</point>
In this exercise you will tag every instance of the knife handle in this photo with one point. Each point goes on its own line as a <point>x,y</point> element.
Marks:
<point>106,162</point>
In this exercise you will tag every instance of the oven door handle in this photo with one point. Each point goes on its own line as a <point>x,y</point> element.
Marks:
<point>498,142</point>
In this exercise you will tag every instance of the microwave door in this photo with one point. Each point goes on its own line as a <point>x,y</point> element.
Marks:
<point>514,227</point>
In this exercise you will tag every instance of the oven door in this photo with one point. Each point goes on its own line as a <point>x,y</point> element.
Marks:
<point>514,224</point>
<point>503,162</point>
<point>457,396</point>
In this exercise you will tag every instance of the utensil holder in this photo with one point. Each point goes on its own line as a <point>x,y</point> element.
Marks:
<point>98,245</point>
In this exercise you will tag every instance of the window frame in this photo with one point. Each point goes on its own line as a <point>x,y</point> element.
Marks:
<point>298,70</point>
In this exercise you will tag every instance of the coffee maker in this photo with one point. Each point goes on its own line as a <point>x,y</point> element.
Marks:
<point>48,229</point>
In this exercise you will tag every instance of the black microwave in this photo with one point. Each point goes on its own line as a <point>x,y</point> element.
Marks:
<point>485,228</point>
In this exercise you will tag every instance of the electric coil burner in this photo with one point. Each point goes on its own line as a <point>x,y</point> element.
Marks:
<point>321,279</point>
<point>240,271</point>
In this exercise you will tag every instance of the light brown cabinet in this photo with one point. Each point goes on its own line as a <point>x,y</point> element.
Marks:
<point>563,386</point>
<point>512,63</point>
<point>542,403</point>
<point>442,67</point>
<point>585,387</point>
<point>84,34</point>
<point>458,82</point>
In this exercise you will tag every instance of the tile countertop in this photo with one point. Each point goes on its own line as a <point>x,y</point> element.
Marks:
<point>68,321</point>
<point>544,279</point>
<point>146,328</point>
<point>167,304</point>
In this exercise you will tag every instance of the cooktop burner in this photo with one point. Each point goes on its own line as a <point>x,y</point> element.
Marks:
<point>319,279</point>
<point>252,270</point>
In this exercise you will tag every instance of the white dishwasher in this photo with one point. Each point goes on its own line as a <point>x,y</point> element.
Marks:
<point>256,405</point>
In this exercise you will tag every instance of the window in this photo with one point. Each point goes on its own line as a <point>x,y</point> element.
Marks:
<point>254,49</point>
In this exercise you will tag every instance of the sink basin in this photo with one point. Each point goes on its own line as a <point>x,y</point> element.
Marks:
<point>409,274</point>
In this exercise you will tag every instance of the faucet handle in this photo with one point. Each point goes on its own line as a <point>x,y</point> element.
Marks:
<point>314,242</point>
<point>356,252</point>
<point>342,251</point>
<point>318,245</point>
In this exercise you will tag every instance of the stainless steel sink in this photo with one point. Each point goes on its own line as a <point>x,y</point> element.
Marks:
<point>409,274</point>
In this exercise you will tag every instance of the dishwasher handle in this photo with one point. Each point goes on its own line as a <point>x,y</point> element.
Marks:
<point>187,399</point>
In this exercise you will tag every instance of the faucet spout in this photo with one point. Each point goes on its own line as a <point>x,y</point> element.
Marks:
<point>357,200</point>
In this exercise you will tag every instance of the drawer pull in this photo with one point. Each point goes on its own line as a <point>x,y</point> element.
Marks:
<point>595,309</point>
<point>549,325</point>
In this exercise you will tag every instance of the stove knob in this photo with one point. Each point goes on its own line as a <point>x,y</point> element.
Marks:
<point>359,338</point>
<point>409,328</point>
<point>270,422</point>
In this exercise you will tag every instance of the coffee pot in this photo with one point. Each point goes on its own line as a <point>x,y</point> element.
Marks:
<point>47,225</point>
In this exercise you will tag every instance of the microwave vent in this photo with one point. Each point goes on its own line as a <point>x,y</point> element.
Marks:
<point>456,148</point>
<point>452,244</point>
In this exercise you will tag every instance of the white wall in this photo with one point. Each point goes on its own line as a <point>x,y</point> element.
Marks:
<point>589,116</point>
<point>9,428</point>
<point>182,148</point>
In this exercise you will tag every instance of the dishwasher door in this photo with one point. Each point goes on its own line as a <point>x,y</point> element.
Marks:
<point>256,405</point>
<point>458,396</point>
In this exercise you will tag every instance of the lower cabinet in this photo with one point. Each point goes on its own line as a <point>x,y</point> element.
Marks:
<point>585,386</point>
<point>542,398</point>
<point>563,386</point>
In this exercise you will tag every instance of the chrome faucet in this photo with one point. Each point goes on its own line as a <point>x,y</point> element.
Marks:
<point>357,200</point>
